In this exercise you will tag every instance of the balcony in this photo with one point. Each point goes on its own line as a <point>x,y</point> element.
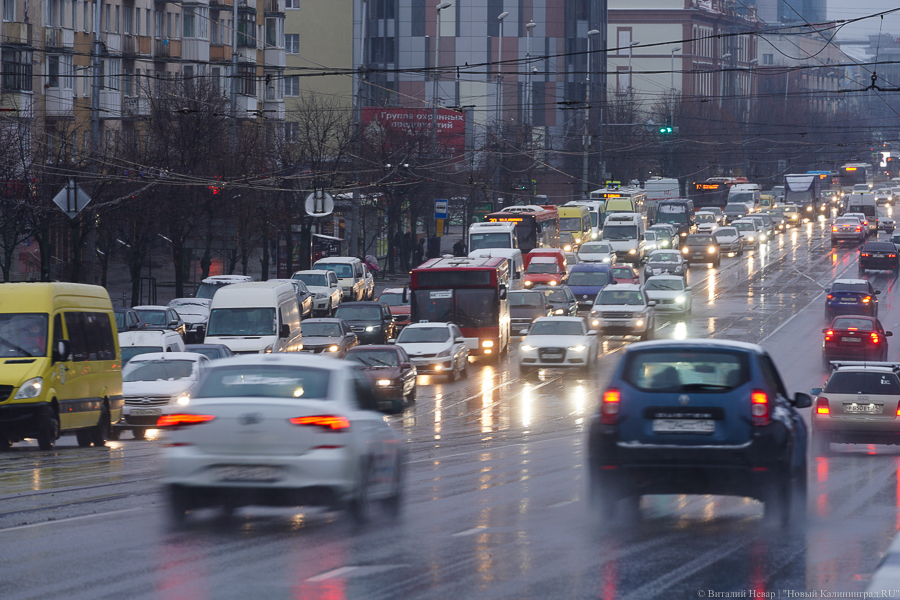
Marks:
<point>136,107</point>
<point>130,46</point>
<point>58,102</point>
<point>274,7</point>
<point>166,48</point>
<point>57,37</point>
<point>219,53</point>
<point>17,33</point>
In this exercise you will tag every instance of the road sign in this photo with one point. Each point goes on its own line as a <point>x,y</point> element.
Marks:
<point>440,209</point>
<point>319,204</point>
<point>71,199</point>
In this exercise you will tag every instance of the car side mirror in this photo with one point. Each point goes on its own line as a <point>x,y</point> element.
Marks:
<point>392,341</point>
<point>688,289</point>
<point>460,340</point>
<point>406,365</point>
<point>651,303</point>
<point>802,400</point>
<point>888,333</point>
<point>285,331</point>
<point>173,323</point>
<point>62,351</point>
<point>405,295</point>
<point>815,391</point>
<point>877,292</point>
<point>503,292</point>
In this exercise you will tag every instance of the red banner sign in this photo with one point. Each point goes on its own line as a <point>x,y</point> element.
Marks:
<point>451,125</point>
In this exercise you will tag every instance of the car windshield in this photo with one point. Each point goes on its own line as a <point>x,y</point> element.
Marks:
<point>725,232</point>
<point>620,232</point>
<point>551,327</point>
<point>213,353</point>
<point>552,295</point>
<point>358,313</point>
<point>857,382</point>
<point>860,288</point>
<point>664,284</point>
<point>665,257</point>
<point>789,209</point>
<point>852,323</point>
<point>525,300</point>
<point>152,317</point>
<point>588,249</point>
<point>314,279</point>
<point>374,358</point>
<point>623,273</point>
<point>158,370</point>
<point>570,224</point>
<point>393,299</point>
<point>542,267</point>
<point>120,321</point>
<point>588,278</point>
<point>705,218</point>
<point>23,334</point>
<point>423,335</point>
<point>208,290</point>
<point>745,226</point>
<point>700,240</point>
<point>340,269</point>
<point>742,197</point>
<point>129,352</point>
<point>321,329</point>
<point>241,321</point>
<point>629,297</point>
<point>650,236</point>
<point>265,381</point>
<point>735,210</point>
<point>686,370</point>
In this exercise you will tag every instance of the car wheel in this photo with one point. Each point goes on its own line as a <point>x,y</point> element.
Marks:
<point>48,432</point>
<point>465,370</point>
<point>360,505</point>
<point>778,501</point>
<point>139,433</point>
<point>821,443</point>
<point>451,376</point>
<point>83,436</point>
<point>411,397</point>
<point>100,432</point>
<point>179,504</point>
<point>393,504</point>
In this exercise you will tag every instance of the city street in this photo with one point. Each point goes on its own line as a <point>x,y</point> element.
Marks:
<point>495,489</point>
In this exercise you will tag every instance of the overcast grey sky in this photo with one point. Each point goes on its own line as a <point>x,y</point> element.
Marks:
<point>848,9</point>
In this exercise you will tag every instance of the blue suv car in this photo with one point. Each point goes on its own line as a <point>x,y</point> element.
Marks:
<point>851,296</point>
<point>698,417</point>
<point>586,280</point>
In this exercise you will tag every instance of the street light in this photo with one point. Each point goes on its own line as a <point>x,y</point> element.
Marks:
<point>529,29</point>
<point>630,89</point>
<point>753,62</point>
<point>587,114</point>
<point>437,55</point>
<point>672,86</point>
<point>500,18</point>
<point>725,57</point>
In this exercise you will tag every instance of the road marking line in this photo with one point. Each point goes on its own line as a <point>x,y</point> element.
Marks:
<point>333,573</point>
<point>106,514</point>
<point>472,531</point>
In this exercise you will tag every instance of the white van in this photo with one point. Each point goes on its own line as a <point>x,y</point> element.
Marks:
<point>595,208</point>
<point>516,265</point>
<point>493,234</point>
<point>133,343</point>
<point>350,275</point>
<point>625,233</point>
<point>255,318</point>
<point>747,193</point>
<point>865,204</point>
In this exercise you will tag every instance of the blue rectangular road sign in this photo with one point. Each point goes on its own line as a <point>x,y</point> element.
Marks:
<point>440,208</point>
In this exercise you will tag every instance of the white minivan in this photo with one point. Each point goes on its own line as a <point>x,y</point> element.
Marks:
<point>350,275</point>
<point>255,318</point>
<point>625,233</point>
<point>516,265</point>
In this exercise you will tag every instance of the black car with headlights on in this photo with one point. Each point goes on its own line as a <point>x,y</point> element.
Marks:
<point>878,256</point>
<point>698,417</point>
<point>371,321</point>
<point>389,369</point>
<point>328,336</point>
<point>701,248</point>
<point>560,299</point>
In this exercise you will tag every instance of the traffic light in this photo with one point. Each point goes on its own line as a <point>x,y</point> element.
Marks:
<point>666,130</point>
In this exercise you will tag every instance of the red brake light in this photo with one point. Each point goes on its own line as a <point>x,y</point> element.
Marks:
<point>830,296</point>
<point>828,335</point>
<point>759,408</point>
<point>867,299</point>
<point>874,338</point>
<point>176,420</point>
<point>858,229</point>
<point>864,254</point>
<point>822,406</point>
<point>327,421</point>
<point>609,409</point>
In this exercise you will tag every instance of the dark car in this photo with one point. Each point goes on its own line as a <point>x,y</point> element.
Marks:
<point>389,369</point>
<point>878,255</point>
<point>851,296</point>
<point>161,318</point>
<point>371,321</point>
<point>698,417</point>
<point>127,319</point>
<point>701,248</point>
<point>331,337</point>
<point>855,337</point>
<point>560,298</point>
<point>586,280</point>
<point>210,351</point>
<point>524,307</point>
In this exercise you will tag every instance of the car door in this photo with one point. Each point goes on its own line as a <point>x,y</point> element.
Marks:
<point>387,322</point>
<point>796,425</point>
<point>373,436</point>
<point>348,336</point>
<point>337,292</point>
<point>407,372</point>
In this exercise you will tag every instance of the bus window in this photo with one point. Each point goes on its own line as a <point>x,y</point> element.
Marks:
<point>476,308</point>
<point>433,305</point>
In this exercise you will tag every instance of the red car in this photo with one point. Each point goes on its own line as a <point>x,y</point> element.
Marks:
<point>397,300</point>
<point>855,337</point>
<point>625,274</point>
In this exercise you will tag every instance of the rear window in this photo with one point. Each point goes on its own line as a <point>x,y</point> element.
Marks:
<point>862,383</point>
<point>860,288</point>
<point>687,371</point>
<point>852,323</point>
<point>878,247</point>
<point>266,381</point>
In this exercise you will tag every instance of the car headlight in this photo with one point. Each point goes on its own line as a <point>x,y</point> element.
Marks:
<point>333,348</point>
<point>683,234</point>
<point>567,248</point>
<point>664,244</point>
<point>526,347</point>
<point>444,352</point>
<point>577,240</point>
<point>384,382</point>
<point>31,388</point>
<point>553,282</point>
<point>685,250</point>
<point>632,251</point>
<point>679,299</point>
<point>595,323</point>
<point>268,349</point>
<point>182,399</point>
<point>578,348</point>
<point>528,283</point>
<point>487,344</point>
<point>808,208</point>
<point>606,259</point>
<point>750,238</point>
<point>320,295</point>
<point>711,249</point>
<point>558,311</point>
<point>593,236</point>
<point>640,323</point>
<point>370,329</point>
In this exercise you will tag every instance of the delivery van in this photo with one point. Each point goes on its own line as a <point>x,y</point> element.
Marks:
<point>255,318</point>
<point>577,221</point>
<point>61,369</point>
<point>350,275</point>
<point>516,263</point>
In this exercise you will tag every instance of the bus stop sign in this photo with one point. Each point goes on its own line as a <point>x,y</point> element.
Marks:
<point>440,209</point>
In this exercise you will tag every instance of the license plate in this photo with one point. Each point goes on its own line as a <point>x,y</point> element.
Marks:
<point>684,426</point>
<point>878,256</point>
<point>848,300</point>
<point>870,409</point>
<point>247,473</point>
<point>145,412</point>
<point>851,339</point>
<point>552,355</point>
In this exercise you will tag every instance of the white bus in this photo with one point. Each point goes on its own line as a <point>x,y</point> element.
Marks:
<point>492,234</point>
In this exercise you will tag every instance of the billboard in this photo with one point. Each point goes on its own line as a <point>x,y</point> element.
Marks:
<point>451,125</point>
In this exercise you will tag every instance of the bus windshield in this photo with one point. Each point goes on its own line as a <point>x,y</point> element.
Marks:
<point>620,232</point>
<point>478,241</point>
<point>671,217</point>
<point>570,224</point>
<point>741,197</point>
<point>467,308</point>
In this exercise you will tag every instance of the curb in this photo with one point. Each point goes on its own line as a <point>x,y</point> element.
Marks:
<point>887,574</point>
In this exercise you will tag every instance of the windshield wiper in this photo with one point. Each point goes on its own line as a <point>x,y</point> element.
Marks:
<point>14,347</point>
<point>380,362</point>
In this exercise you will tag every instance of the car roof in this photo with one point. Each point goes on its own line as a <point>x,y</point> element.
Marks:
<point>290,359</point>
<point>665,276</point>
<point>150,307</point>
<point>192,356</point>
<point>850,281</point>
<point>665,251</point>
<point>367,347</point>
<point>313,272</point>
<point>588,266</point>
<point>393,290</point>
<point>697,343</point>
<point>323,320</point>
<point>561,318</point>
<point>878,244</point>
<point>425,325</point>
<point>361,303</point>
<point>864,368</point>
<point>198,346</point>
<point>627,287</point>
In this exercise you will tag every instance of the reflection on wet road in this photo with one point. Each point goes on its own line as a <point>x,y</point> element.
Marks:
<point>495,505</point>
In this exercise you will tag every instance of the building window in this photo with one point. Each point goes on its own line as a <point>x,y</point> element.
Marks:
<point>384,9</point>
<point>110,79</point>
<point>292,4</point>
<point>292,86</point>
<point>17,70</point>
<point>9,10</point>
<point>292,43</point>
<point>53,71</point>
<point>623,80</point>
<point>291,131</point>
<point>189,30</point>
<point>382,50</point>
<point>84,16</point>
<point>247,80</point>
<point>623,40</point>
<point>216,76</point>
<point>106,24</point>
<point>274,32</point>
<point>768,59</point>
<point>246,27</point>
<point>117,19</point>
<point>147,14</point>
<point>127,19</point>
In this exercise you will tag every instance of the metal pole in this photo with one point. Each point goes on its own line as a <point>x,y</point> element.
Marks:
<point>95,82</point>
<point>354,209</point>
<point>436,76</point>
<point>750,85</point>
<point>501,16</point>
<point>672,88</point>
<point>587,117</point>
<point>529,100</point>
<point>722,77</point>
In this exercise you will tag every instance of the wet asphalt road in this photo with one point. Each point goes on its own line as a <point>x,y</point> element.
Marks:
<point>495,504</point>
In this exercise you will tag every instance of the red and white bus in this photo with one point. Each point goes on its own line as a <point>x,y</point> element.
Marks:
<point>536,226</point>
<point>470,292</point>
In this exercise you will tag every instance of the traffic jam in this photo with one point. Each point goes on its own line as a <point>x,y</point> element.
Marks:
<point>633,395</point>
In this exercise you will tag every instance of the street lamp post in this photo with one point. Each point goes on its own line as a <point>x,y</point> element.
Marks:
<point>587,115</point>
<point>672,87</point>
<point>529,99</point>
<point>437,74</point>
<point>500,17</point>
<point>725,57</point>
<point>753,62</point>
<point>630,88</point>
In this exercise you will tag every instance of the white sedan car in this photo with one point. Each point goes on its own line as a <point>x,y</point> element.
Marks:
<point>437,348</point>
<point>283,430</point>
<point>554,342</point>
<point>597,252</point>
<point>670,292</point>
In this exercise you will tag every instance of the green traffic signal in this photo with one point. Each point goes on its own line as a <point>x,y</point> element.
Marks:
<point>665,130</point>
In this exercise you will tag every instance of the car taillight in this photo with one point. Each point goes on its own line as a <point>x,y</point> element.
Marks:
<point>178,420</point>
<point>828,335</point>
<point>834,228</point>
<point>874,338</point>
<point>859,229</point>
<point>892,256</point>
<point>867,299</point>
<point>822,406</point>
<point>609,408</point>
<point>759,408</point>
<point>864,254</point>
<point>329,422</point>
<point>830,296</point>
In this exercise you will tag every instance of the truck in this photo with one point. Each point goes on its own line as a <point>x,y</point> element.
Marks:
<point>678,212</point>
<point>804,191</point>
